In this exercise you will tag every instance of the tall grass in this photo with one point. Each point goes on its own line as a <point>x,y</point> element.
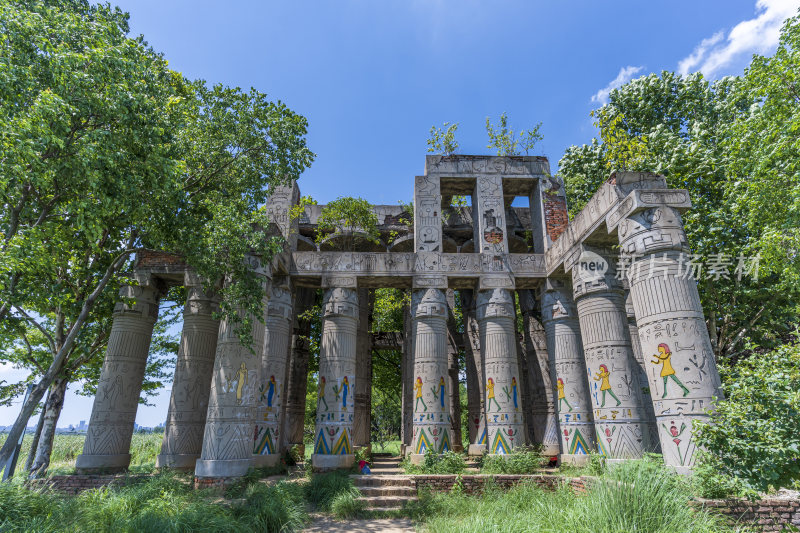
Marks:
<point>636,497</point>
<point>144,449</point>
<point>165,503</point>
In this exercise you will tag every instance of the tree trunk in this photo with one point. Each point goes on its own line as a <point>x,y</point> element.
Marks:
<point>407,370</point>
<point>52,412</point>
<point>36,435</point>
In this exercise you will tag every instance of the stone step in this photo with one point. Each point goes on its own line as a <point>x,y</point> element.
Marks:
<point>383,481</point>
<point>392,502</point>
<point>384,491</point>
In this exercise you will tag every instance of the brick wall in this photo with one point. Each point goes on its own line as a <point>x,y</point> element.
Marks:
<point>556,218</point>
<point>474,484</point>
<point>157,259</point>
<point>75,484</point>
<point>766,515</point>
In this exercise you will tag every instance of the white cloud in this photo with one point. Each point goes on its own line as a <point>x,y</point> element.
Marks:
<point>758,35</point>
<point>625,75</point>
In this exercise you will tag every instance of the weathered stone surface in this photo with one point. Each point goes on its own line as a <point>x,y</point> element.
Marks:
<point>431,418</point>
<point>271,392</point>
<point>675,346</point>
<point>333,435</point>
<point>620,421</point>
<point>191,385</point>
<point>108,440</point>
<point>503,402</point>
<point>568,372</point>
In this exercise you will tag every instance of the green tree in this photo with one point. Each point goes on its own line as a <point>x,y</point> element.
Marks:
<point>350,220</point>
<point>107,151</point>
<point>443,141</point>
<point>506,142</point>
<point>687,129</point>
<point>754,434</point>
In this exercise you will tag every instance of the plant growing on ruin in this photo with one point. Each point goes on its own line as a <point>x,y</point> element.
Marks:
<point>506,142</point>
<point>443,141</point>
<point>350,219</point>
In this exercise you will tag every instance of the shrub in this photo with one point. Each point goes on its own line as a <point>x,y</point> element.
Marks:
<point>446,463</point>
<point>754,434</point>
<point>520,461</point>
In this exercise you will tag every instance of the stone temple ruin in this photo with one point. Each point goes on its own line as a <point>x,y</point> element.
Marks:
<point>613,355</point>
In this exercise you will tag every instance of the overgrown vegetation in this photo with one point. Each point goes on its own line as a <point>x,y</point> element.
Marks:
<point>754,433</point>
<point>637,496</point>
<point>144,449</point>
<point>167,502</point>
<point>519,461</point>
<point>433,463</point>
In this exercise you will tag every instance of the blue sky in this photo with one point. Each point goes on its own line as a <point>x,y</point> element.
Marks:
<point>372,77</point>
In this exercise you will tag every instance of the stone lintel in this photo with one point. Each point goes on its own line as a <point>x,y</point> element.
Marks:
<point>639,200</point>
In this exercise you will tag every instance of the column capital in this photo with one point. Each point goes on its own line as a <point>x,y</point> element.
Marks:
<point>340,301</point>
<point>280,299</point>
<point>428,303</point>
<point>494,303</point>
<point>594,271</point>
<point>657,229</point>
<point>557,303</point>
<point>429,282</point>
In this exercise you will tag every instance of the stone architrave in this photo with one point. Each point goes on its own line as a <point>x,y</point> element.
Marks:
<point>333,435</point>
<point>427,214</point>
<point>363,388</point>
<point>191,384</point>
<point>644,385</point>
<point>620,421</point>
<point>271,387</point>
<point>676,349</point>
<point>108,440</point>
<point>505,426</point>
<point>297,384</point>
<point>230,421</point>
<point>568,373</point>
<point>490,216</point>
<point>431,422</point>
<point>543,409</point>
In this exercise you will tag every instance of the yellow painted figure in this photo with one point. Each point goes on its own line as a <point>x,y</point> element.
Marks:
<point>561,396</point>
<point>605,385</point>
<point>241,381</point>
<point>663,356</point>
<point>418,389</point>
<point>490,396</point>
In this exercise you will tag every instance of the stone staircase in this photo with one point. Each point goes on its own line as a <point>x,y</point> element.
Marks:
<point>386,489</point>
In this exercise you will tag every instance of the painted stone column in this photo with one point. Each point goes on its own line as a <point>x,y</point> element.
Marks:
<point>362,400</point>
<point>108,440</point>
<point>644,385</point>
<point>271,387</point>
<point>333,439</point>
<point>620,420</point>
<point>191,385</point>
<point>683,376</point>
<point>543,409</point>
<point>504,410</point>
<point>230,421</point>
<point>568,373</point>
<point>431,398</point>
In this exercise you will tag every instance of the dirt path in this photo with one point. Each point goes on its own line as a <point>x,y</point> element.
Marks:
<point>378,525</point>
